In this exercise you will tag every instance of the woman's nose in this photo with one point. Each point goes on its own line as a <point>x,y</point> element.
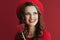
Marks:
<point>31,16</point>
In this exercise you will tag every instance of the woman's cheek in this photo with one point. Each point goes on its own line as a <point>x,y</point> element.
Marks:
<point>36,16</point>
<point>27,18</point>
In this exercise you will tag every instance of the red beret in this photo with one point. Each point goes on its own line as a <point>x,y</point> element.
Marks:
<point>36,2</point>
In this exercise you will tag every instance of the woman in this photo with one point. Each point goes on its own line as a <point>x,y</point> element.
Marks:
<point>29,15</point>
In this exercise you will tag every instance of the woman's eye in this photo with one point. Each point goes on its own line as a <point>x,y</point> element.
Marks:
<point>35,13</point>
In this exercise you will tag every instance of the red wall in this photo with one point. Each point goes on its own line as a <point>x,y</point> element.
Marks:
<point>8,18</point>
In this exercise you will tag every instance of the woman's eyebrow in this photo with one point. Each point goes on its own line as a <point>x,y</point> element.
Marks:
<point>35,12</point>
<point>27,13</point>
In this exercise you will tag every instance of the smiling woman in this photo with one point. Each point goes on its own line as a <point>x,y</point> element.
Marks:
<point>29,14</point>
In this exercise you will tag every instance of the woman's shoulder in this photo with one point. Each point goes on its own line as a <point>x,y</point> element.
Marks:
<point>46,35</point>
<point>18,36</point>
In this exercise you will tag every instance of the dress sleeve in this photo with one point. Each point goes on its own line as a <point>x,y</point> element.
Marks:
<point>47,35</point>
<point>19,36</point>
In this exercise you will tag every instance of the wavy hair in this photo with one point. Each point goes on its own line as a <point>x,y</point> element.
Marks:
<point>39,27</point>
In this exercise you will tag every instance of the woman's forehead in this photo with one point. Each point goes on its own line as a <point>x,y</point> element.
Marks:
<point>30,9</point>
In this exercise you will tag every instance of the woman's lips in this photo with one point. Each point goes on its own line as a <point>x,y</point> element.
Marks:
<point>32,20</point>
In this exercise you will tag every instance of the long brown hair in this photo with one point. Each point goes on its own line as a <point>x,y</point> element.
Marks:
<point>39,27</point>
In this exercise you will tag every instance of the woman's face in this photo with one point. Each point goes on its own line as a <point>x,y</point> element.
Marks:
<point>31,15</point>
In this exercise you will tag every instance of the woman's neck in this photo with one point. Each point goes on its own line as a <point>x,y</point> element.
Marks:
<point>31,31</point>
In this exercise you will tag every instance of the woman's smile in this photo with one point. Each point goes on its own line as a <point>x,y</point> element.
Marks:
<point>31,15</point>
<point>32,20</point>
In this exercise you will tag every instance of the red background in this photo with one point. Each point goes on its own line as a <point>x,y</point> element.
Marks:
<point>8,18</point>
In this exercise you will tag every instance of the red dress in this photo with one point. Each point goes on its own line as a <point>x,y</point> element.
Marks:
<point>46,36</point>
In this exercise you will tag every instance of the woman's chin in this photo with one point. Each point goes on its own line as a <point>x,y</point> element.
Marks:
<point>32,24</point>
